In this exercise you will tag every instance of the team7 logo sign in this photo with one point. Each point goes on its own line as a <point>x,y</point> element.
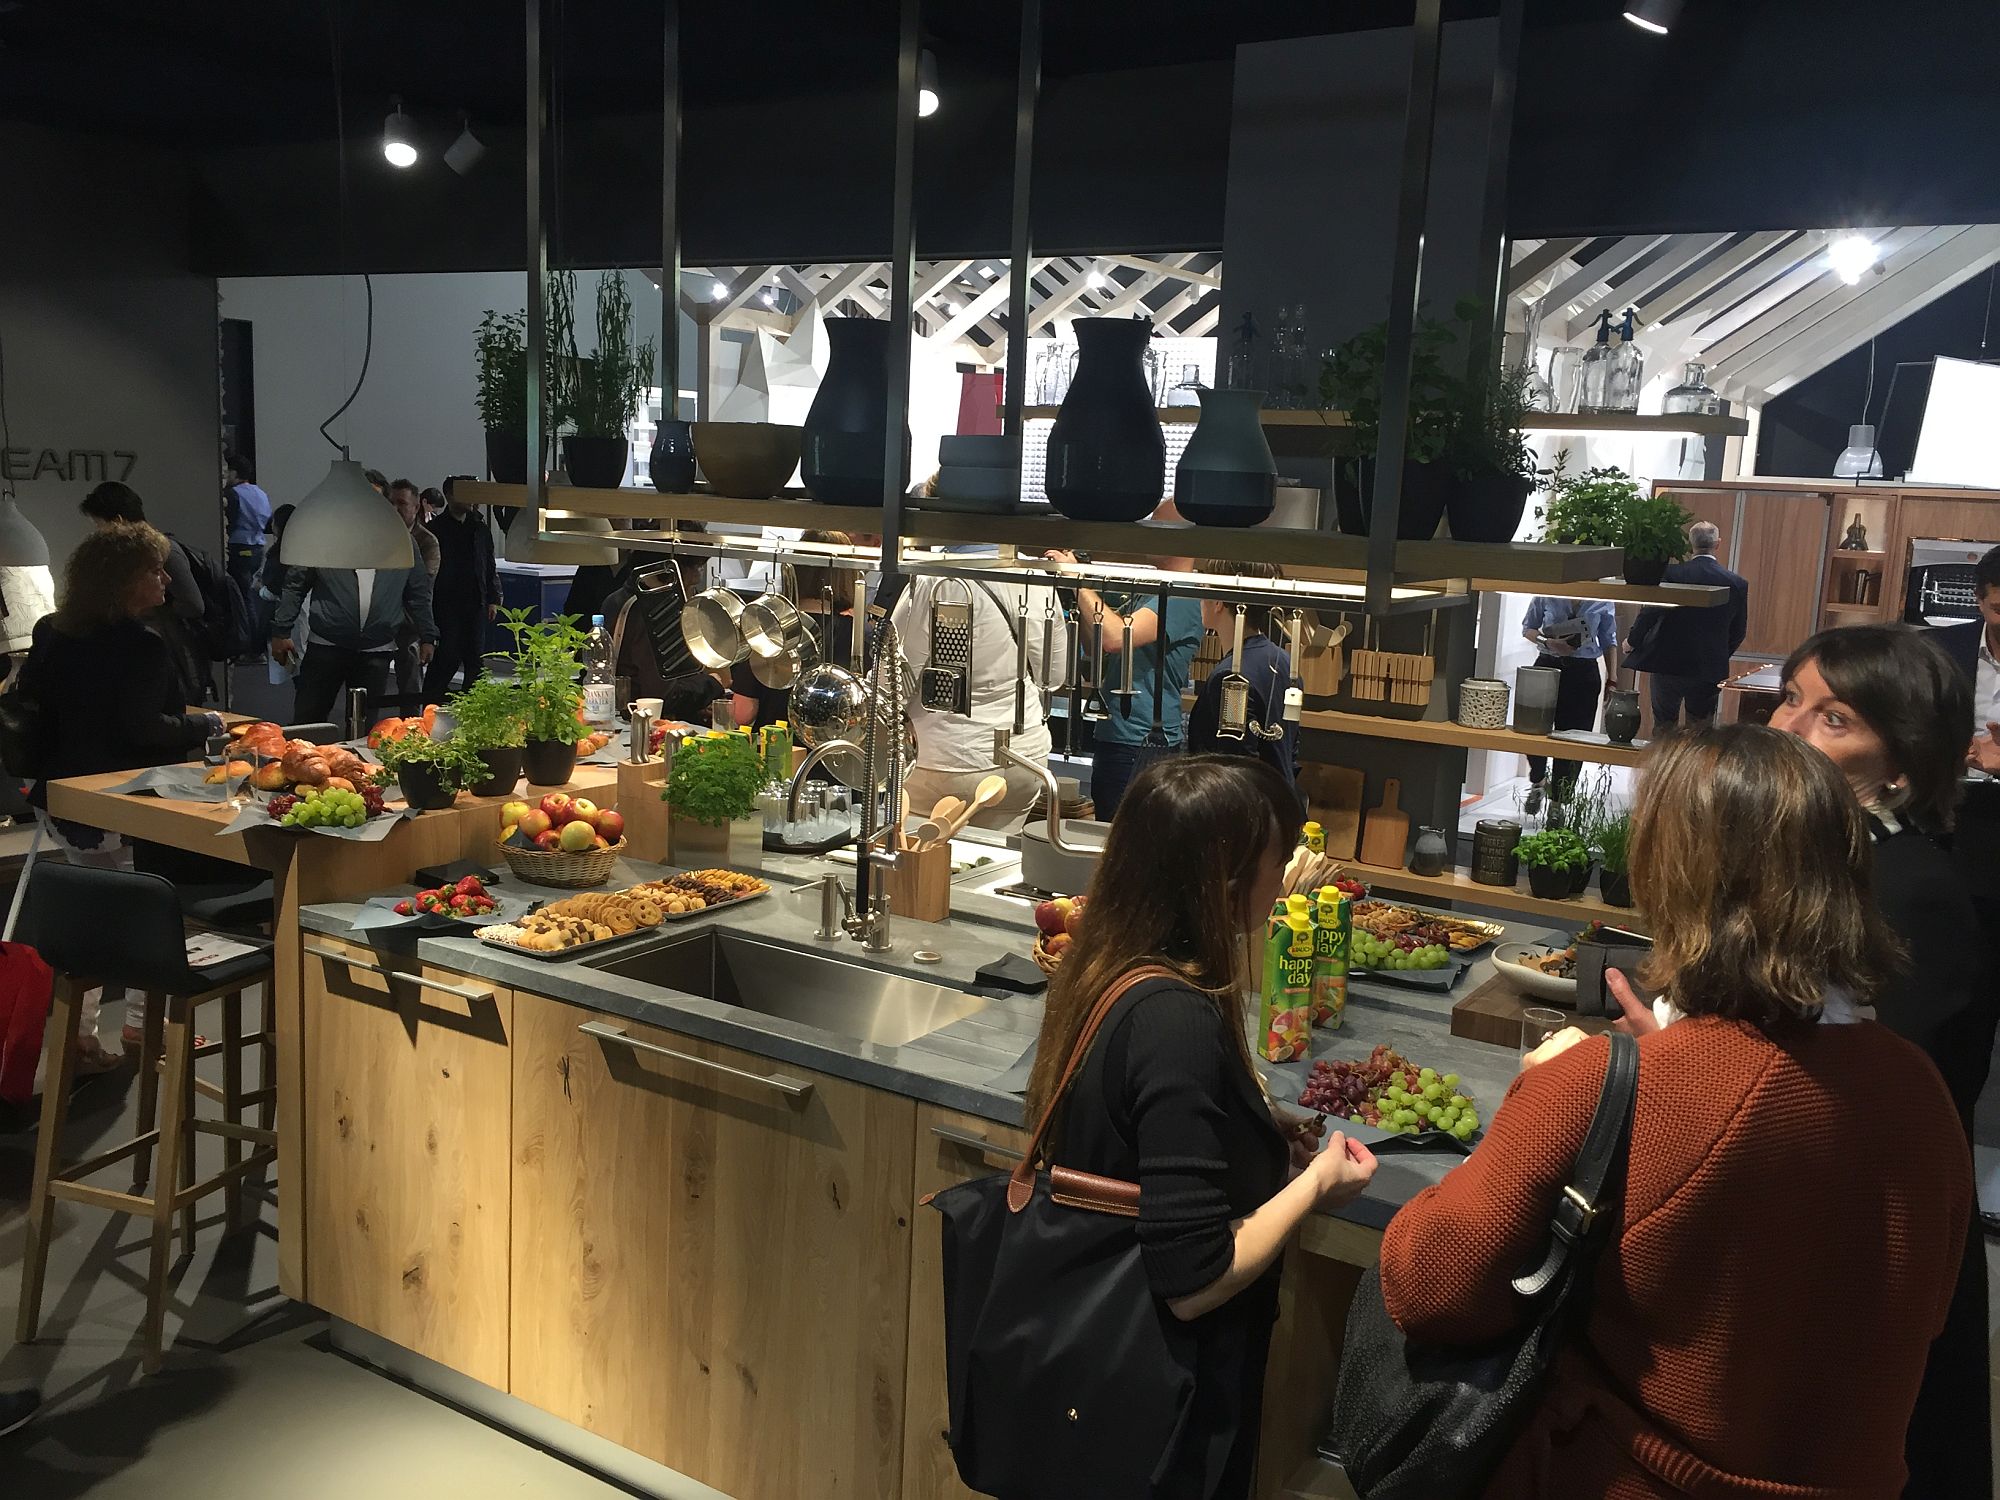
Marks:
<point>24,465</point>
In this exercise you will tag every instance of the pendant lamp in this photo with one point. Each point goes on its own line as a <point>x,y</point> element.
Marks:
<point>343,523</point>
<point>21,546</point>
<point>592,548</point>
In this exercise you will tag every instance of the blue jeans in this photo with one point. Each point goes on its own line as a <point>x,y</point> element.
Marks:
<point>1112,768</point>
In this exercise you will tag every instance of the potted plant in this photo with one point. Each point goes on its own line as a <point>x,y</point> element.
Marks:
<point>548,661</point>
<point>1653,531</point>
<point>1350,381</point>
<point>1584,805</point>
<point>711,794</point>
<point>1552,858</point>
<point>602,394</point>
<point>431,772</point>
<point>1587,509</point>
<point>1492,463</point>
<point>503,394</point>
<point>491,717</point>
<point>1614,838</point>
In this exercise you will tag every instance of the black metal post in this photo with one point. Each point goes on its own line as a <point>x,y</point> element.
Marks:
<point>1027,93</point>
<point>902,273</point>
<point>1494,259</point>
<point>670,214</point>
<point>1405,290</point>
<point>538,263</point>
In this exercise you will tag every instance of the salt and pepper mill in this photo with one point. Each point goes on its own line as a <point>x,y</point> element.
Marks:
<point>358,722</point>
<point>640,746</point>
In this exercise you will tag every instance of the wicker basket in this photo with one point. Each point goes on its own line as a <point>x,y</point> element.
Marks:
<point>572,870</point>
<point>1046,961</point>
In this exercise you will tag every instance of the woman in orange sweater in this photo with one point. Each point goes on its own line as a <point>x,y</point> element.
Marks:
<point>1798,1188</point>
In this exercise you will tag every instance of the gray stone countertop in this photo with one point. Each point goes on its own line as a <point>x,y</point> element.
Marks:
<point>975,1064</point>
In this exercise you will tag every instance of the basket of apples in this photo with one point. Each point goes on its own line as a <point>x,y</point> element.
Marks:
<point>561,841</point>
<point>1057,923</point>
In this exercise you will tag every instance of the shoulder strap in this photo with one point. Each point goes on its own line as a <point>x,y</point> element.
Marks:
<point>1005,618</point>
<point>1021,1186</point>
<point>1599,1164</point>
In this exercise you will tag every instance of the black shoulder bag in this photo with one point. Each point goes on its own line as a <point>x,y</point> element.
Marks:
<point>1064,1375</point>
<point>1419,1423</point>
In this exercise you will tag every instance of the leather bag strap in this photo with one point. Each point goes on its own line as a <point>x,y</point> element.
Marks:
<point>1600,1160</point>
<point>1021,1182</point>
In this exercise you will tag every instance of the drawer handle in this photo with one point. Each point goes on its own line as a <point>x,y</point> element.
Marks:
<point>791,1088</point>
<point>973,1142</point>
<point>463,991</point>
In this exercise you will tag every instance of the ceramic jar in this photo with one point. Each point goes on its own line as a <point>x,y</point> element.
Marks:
<point>1493,859</point>
<point>1535,690</point>
<point>672,463</point>
<point>1482,703</point>
<point>1107,458</point>
<point>1227,476</point>
<point>1621,715</point>
<point>1429,853</point>
<point>841,462</point>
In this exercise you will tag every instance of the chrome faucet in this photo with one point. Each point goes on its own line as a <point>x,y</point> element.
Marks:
<point>837,909</point>
<point>1004,755</point>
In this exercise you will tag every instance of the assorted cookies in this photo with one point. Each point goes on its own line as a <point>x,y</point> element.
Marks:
<point>599,916</point>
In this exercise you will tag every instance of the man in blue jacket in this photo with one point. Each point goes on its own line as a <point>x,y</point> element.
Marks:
<point>1685,650</point>
<point>352,631</point>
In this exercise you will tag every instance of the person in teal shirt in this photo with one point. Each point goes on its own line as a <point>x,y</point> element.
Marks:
<point>1163,652</point>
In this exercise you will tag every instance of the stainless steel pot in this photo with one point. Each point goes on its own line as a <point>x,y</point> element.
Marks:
<point>784,671</point>
<point>711,624</point>
<point>772,626</point>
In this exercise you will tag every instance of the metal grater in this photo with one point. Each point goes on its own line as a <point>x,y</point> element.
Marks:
<point>1234,715</point>
<point>946,685</point>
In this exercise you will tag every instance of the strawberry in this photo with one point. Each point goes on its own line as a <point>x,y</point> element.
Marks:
<point>470,886</point>
<point>404,909</point>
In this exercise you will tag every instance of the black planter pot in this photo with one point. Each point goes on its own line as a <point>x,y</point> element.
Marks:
<point>503,771</point>
<point>1579,879</point>
<point>846,429</point>
<point>1486,507</point>
<point>1615,887</point>
<point>1548,883</point>
<point>423,788</point>
<point>1646,570</point>
<point>1107,458</point>
<point>1425,488</point>
<point>548,762</point>
<point>596,463</point>
<point>507,456</point>
<point>671,466</point>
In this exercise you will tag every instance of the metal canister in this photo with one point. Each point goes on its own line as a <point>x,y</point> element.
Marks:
<point>1493,859</point>
<point>640,747</point>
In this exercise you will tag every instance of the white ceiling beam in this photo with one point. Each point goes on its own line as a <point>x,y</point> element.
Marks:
<point>1711,286</point>
<point>746,285</point>
<point>975,311</point>
<point>1177,269</point>
<point>928,281</point>
<point>1797,314</point>
<point>1566,297</point>
<point>1680,252</point>
<point>1811,275</point>
<point>1534,264</point>
<point>1205,324</point>
<point>1072,284</point>
<point>1181,302</point>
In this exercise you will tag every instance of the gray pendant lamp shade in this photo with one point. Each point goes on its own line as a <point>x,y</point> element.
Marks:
<point>524,546</point>
<point>343,523</point>
<point>21,546</point>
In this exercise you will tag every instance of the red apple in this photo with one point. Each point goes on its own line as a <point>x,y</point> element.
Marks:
<point>611,825</point>
<point>1073,918</point>
<point>585,809</point>
<point>1049,917</point>
<point>600,842</point>
<point>548,838</point>
<point>534,823</point>
<point>1059,942</point>
<point>557,805</point>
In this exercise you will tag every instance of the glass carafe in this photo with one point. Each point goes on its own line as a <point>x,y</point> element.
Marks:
<point>1693,394</point>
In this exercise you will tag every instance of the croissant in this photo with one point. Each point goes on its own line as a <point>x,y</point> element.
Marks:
<point>341,761</point>
<point>303,762</point>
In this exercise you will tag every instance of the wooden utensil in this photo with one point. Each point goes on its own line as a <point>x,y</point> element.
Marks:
<point>989,791</point>
<point>1386,834</point>
<point>1334,796</point>
<point>932,829</point>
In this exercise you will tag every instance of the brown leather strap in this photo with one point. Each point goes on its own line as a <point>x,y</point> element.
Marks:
<point>1021,1183</point>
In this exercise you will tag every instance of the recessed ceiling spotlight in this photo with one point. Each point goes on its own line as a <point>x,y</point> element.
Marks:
<point>718,291</point>
<point>1656,16</point>
<point>927,83</point>
<point>1097,281</point>
<point>396,144</point>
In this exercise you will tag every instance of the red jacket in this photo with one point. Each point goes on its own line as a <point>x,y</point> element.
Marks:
<point>25,987</point>
<point>1786,1249</point>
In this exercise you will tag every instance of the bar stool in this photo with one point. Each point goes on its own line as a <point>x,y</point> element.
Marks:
<point>112,927</point>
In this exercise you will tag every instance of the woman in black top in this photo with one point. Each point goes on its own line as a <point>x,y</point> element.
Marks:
<point>1169,1097</point>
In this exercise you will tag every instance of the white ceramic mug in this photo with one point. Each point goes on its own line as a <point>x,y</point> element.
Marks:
<point>651,706</point>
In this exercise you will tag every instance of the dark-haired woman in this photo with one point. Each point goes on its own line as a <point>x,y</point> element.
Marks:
<point>1168,1096</point>
<point>1769,1232</point>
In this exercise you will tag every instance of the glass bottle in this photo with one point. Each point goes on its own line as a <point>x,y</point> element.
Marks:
<point>1694,393</point>
<point>1628,368</point>
<point>1594,384</point>
<point>1566,377</point>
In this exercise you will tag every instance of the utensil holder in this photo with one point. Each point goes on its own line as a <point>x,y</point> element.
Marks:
<point>1482,703</point>
<point>1535,690</point>
<point>920,884</point>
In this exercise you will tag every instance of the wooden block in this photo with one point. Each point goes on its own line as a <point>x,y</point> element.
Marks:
<point>1333,796</point>
<point>920,884</point>
<point>640,785</point>
<point>1492,1013</point>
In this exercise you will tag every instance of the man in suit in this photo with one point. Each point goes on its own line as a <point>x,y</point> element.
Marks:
<point>1975,648</point>
<point>1686,651</point>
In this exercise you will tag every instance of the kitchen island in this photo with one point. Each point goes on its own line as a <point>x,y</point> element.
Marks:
<point>663,1197</point>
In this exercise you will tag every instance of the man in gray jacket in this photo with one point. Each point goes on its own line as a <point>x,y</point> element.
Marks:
<point>352,644</point>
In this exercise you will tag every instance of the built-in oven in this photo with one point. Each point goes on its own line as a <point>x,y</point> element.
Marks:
<point>1941,589</point>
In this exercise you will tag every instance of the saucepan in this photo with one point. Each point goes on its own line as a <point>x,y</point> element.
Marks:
<point>783,671</point>
<point>710,622</point>
<point>773,626</point>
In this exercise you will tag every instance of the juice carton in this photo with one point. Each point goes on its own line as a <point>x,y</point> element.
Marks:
<point>1314,838</point>
<point>1285,1011</point>
<point>1333,931</point>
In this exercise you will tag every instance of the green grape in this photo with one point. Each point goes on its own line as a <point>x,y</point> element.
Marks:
<point>1427,1075</point>
<point>1356,1120</point>
<point>1423,1111</point>
<point>1406,1116</point>
<point>1463,1130</point>
<point>1450,1080</point>
<point>1459,1101</point>
<point>1469,1118</point>
<point>1433,1091</point>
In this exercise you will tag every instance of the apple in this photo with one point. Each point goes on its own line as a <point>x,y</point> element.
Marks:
<point>611,825</point>
<point>576,836</point>
<point>507,831</point>
<point>548,838</point>
<point>1059,942</point>
<point>1049,917</point>
<point>557,805</point>
<point>534,822</point>
<point>513,812</point>
<point>584,808</point>
<point>599,841</point>
<point>1073,918</point>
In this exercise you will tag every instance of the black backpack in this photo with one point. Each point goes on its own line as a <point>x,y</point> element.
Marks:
<point>226,630</point>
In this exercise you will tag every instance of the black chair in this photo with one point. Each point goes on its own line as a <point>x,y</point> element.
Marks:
<point>111,927</point>
<point>315,734</point>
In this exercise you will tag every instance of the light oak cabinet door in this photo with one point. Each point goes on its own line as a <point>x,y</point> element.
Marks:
<point>711,1256</point>
<point>407,1105</point>
<point>951,1148</point>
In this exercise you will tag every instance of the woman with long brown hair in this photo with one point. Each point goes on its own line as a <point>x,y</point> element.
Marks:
<point>1168,1096</point>
<point>1770,1230</point>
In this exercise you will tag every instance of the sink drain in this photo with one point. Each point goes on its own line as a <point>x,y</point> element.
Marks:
<point>927,956</point>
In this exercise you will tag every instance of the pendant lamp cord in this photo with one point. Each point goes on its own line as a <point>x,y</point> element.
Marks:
<point>367,283</point>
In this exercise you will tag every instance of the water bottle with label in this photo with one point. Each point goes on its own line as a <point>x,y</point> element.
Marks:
<point>599,692</point>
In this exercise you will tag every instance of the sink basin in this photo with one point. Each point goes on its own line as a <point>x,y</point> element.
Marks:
<point>812,988</point>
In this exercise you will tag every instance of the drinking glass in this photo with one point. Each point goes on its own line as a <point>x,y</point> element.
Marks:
<point>1538,1024</point>
<point>1565,377</point>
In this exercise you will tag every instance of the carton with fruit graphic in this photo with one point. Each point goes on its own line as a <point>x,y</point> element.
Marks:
<point>1056,925</point>
<point>1333,931</point>
<point>1284,1027</point>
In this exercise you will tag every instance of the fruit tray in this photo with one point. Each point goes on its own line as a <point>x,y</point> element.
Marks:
<point>1417,979</point>
<point>1470,934</point>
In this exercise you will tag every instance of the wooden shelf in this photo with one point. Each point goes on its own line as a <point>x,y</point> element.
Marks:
<point>1458,886</point>
<point>637,504</point>
<point>1444,732</point>
<point>1852,609</point>
<point>1515,562</point>
<point>1618,591</point>
<point>1849,555</point>
<point>1690,423</point>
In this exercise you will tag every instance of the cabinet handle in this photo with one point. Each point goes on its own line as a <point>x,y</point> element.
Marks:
<point>791,1088</point>
<point>973,1142</point>
<point>463,991</point>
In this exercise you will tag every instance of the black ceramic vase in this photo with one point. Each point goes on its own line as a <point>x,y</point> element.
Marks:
<point>1425,487</point>
<point>1107,458</point>
<point>503,771</point>
<point>671,466</point>
<point>549,762</point>
<point>842,456</point>
<point>596,463</point>
<point>1227,476</point>
<point>423,788</point>
<point>507,456</point>
<point>1487,507</point>
<point>1615,886</point>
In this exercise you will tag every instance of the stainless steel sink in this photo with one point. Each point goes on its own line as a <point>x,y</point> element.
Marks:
<point>812,988</point>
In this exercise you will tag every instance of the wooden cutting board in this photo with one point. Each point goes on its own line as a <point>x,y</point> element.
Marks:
<point>1386,833</point>
<point>1333,799</point>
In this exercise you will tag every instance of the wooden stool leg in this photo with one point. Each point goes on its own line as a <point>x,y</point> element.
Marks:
<point>176,1091</point>
<point>232,1101</point>
<point>61,1072</point>
<point>149,1086</point>
<point>190,1139</point>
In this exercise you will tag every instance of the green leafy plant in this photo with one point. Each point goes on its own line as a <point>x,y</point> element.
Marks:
<point>1588,509</point>
<point>491,714</point>
<point>602,394</point>
<point>548,663</point>
<point>1553,849</point>
<point>1581,804</point>
<point>714,779</point>
<point>1614,843</point>
<point>455,761</point>
<point>1654,527</point>
<point>503,371</point>
<point>1486,435</point>
<point>1351,379</point>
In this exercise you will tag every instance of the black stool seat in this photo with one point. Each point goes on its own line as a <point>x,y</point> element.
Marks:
<point>119,928</point>
<point>231,905</point>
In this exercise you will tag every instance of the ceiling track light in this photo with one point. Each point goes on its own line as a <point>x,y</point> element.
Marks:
<point>1656,16</point>
<point>398,146</point>
<point>927,83</point>
<point>1851,256</point>
<point>463,154</point>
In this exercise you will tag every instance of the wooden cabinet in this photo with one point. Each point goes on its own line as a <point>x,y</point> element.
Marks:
<point>407,1105</point>
<point>951,1148</point>
<point>711,1255</point>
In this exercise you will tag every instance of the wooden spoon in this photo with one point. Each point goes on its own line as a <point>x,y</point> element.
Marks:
<point>989,791</point>
<point>932,829</point>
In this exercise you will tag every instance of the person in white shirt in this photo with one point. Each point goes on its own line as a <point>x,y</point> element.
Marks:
<point>955,751</point>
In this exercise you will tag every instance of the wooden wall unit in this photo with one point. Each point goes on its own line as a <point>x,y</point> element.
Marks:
<point>1780,545</point>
